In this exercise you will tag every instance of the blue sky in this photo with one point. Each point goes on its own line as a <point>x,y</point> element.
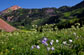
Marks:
<point>36,3</point>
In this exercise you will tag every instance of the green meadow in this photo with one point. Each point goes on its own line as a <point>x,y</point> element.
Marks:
<point>59,42</point>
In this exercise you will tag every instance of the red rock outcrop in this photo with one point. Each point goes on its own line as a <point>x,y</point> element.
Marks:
<point>15,7</point>
<point>6,27</point>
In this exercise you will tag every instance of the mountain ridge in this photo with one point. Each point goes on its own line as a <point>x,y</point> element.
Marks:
<point>12,8</point>
<point>79,5</point>
<point>16,7</point>
<point>63,16</point>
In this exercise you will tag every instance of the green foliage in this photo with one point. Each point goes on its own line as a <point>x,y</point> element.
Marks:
<point>67,14</point>
<point>29,17</point>
<point>70,42</point>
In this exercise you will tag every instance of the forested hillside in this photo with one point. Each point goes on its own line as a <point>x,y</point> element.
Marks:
<point>63,17</point>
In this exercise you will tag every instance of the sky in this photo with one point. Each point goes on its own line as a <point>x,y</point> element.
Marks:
<point>37,3</point>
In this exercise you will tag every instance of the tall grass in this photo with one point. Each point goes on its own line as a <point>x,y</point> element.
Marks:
<point>60,42</point>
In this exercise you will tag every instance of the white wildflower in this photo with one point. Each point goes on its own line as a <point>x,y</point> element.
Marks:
<point>48,48</point>
<point>52,48</point>
<point>57,41</point>
<point>70,41</point>
<point>52,40</point>
<point>74,33</point>
<point>64,42</point>
<point>51,43</point>
<point>38,47</point>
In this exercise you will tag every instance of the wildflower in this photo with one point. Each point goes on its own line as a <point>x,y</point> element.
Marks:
<point>36,26</point>
<point>74,33</point>
<point>7,50</point>
<point>51,43</point>
<point>38,47</point>
<point>52,48</point>
<point>64,42</point>
<point>46,44</point>
<point>32,47</point>
<point>57,41</point>
<point>70,41</point>
<point>33,25</point>
<point>12,48</point>
<point>52,40</point>
<point>1,53</point>
<point>45,39</point>
<point>46,24</point>
<point>77,36</point>
<point>48,48</point>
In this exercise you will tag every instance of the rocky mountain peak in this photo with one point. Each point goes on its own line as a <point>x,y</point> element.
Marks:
<point>12,8</point>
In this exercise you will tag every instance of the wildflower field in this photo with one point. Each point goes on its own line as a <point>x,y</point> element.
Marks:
<point>60,42</point>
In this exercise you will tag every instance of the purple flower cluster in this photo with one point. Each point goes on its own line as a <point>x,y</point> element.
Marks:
<point>44,41</point>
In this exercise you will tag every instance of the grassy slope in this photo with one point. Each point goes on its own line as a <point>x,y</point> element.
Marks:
<point>19,43</point>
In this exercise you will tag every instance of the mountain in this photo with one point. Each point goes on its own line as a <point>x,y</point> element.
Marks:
<point>15,7</point>
<point>6,27</point>
<point>64,8</point>
<point>63,17</point>
<point>79,5</point>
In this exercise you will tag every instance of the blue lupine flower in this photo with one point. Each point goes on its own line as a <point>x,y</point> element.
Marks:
<point>45,39</point>
<point>44,42</point>
<point>51,43</point>
<point>32,47</point>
